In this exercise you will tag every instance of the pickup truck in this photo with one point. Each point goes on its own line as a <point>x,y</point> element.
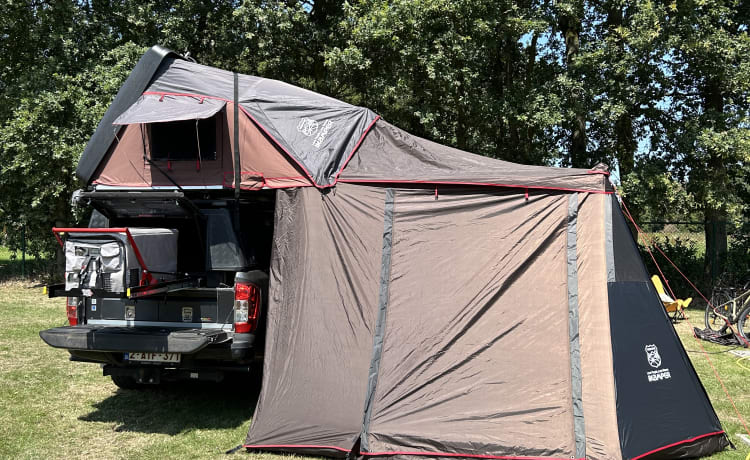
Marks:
<point>165,285</point>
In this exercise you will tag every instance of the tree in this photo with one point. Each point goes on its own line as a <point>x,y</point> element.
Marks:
<point>708,59</point>
<point>40,146</point>
<point>465,73</point>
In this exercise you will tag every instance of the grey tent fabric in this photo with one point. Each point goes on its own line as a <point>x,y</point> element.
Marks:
<point>459,270</point>
<point>152,108</point>
<point>574,326</point>
<point>391,155</point>
<point>314,390</point>
<point>321,139</point>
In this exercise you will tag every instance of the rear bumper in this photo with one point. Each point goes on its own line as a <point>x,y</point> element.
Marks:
<point>134,339</point>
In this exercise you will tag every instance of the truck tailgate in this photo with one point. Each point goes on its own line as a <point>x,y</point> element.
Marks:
<point>132,339</point>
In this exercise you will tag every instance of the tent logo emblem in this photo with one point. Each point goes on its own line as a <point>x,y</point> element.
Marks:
<point>307,126</point>
<point>323,133</point>
<point>654,360</point>
<point>652,355</point>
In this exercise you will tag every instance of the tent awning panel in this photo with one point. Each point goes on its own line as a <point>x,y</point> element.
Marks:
<point>320,320</point>
<point>477,284</point>
<point>156,108</point>
<point>415,322</point>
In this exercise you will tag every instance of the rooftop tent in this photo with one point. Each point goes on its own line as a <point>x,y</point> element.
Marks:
<point>436,303</point>
<point>288,137</point>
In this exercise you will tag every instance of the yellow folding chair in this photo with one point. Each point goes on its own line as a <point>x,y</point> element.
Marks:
<point>674,306</point>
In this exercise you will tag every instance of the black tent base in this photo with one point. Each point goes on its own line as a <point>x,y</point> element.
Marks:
<point>730,338</point>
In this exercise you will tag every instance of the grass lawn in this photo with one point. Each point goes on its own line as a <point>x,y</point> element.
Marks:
<point>53,408</point>
<point>736,377</point>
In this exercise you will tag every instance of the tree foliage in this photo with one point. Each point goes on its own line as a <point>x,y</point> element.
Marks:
<point>657,89</point>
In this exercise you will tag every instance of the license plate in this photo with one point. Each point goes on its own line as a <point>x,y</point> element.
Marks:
<point>153,357</point>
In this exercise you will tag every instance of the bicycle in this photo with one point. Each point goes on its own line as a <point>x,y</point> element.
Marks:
<point>726,307</point>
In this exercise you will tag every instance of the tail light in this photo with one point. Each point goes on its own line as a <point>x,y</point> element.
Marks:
<point>246,307</point>
<point>71,307</point>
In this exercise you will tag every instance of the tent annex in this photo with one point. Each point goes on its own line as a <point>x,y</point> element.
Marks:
<point>435,303</point>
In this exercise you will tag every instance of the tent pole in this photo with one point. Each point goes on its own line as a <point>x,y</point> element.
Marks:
<point>236,138</point>
<point>237,167</point>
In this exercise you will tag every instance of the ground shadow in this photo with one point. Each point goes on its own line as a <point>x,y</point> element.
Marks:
<point>175,408</point>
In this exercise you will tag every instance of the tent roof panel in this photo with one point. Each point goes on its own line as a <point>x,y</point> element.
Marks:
<point>389,154</point>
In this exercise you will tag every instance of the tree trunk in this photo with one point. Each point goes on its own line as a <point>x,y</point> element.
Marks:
<point>324,15</point>
<point>625,143</point>
<point>715,228</point>
<point>714,260</point>
<point>570,27</point>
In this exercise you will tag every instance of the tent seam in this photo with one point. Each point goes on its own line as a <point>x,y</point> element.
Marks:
<point>609,265</point>
<point>461,454</point>
<point>379,335</point>
<point>481,184</point>
<point>579,427</point>
<point>372,454</point>
<point>354,150</point>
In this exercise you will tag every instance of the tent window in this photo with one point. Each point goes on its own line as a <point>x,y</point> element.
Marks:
<point>183,140</point>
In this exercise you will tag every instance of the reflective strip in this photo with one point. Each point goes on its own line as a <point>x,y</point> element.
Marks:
<point>173,324</point>
<point>377,341</point>
<point>575,343</point>
<point>609,245</point>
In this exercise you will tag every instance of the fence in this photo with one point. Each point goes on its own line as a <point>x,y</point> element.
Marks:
<point>18,262</point>
<point>705,264</point>
<point>683,242</point>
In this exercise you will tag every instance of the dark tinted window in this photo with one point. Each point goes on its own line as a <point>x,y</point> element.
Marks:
<point>179,140</point>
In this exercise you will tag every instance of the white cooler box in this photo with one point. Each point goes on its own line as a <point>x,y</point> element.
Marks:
<point>107,261</point>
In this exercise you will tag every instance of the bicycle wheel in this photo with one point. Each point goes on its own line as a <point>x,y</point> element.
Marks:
<point>719,308</point>
<point>743,324</point>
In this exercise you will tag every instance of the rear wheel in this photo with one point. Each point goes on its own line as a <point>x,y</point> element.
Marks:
<point>743,324</point>
<point>718,310</point>
<point>125,382</point>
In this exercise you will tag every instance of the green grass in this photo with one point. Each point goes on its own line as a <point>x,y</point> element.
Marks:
<point>53,408</point>
<point>735,375</point>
